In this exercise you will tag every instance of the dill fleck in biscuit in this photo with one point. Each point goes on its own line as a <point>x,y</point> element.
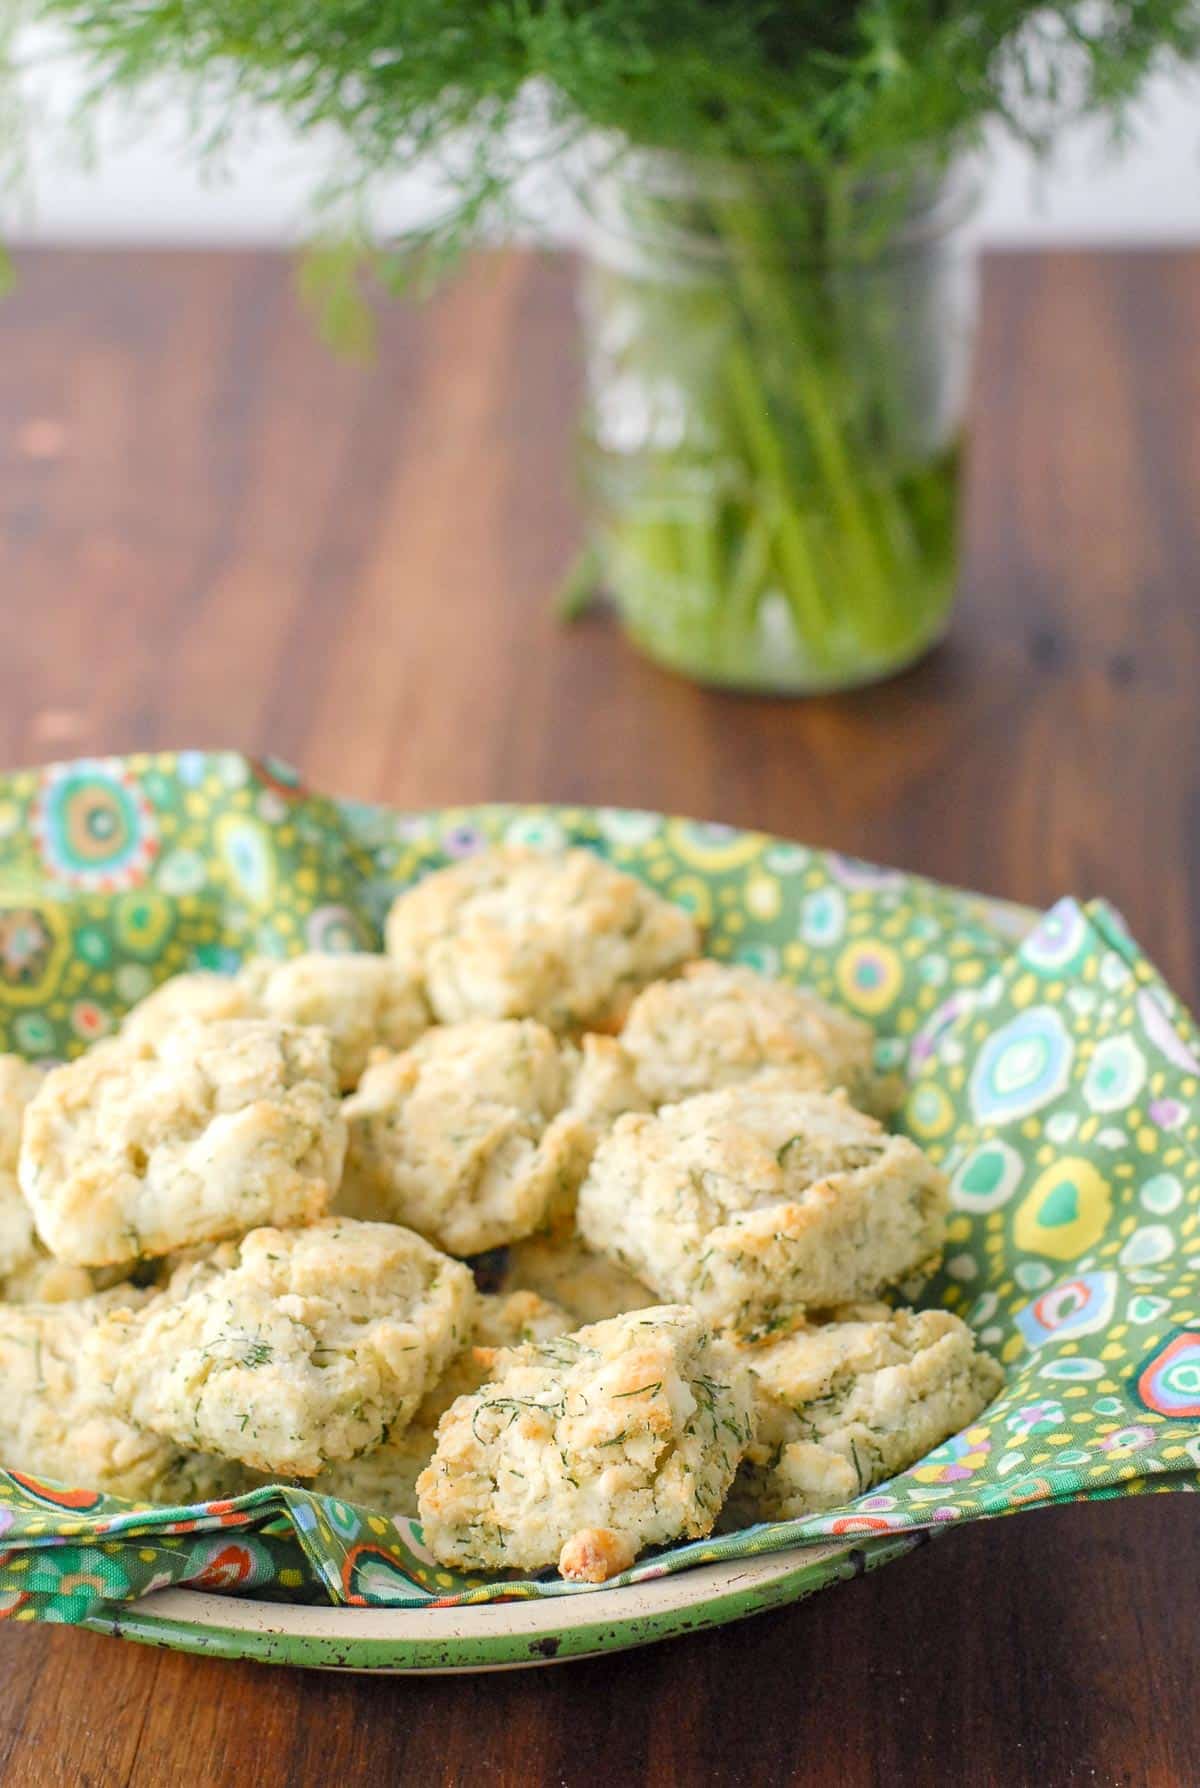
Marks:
<point>132,1151</point>
<point>582,1451</point>
<point>364,1002</point>
<point>293,1347</point>
<point>58,1421</point>
<point>467,1137</point>
<point>759,1201</point>
<point>386,1477</point>
<point>513,933</point>
<point>559,1267</point>
<point>716,1025</point>
<point>837,1409</point>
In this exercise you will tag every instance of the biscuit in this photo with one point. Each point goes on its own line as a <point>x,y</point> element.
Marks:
<point>44,1280</point>
<point>513,933</point>
<point>717,1025</point>
<point>583,1451</point>
<point>759,1201</point>
<point>466,1137</point>
<point>57,1418</point>
<point>19,1081</point>
<point>386,1477</point>
<point>604,1085</point>
<point>364,1002</point>
<point>228,1125</point>
<point>28,1274</point>
<point>293,1347</point>
<point>838,1409</point>
<point>590,1286</point>
<point>205,997</point>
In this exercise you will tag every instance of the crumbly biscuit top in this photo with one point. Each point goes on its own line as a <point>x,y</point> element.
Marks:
<point>19,1081</point>
<point>631,1428</point>
<point>57,1419</point>
<point>816,1367</point>
<point>514,933</point>
<point>202,996</point>
<point>363,1001</point>
<point>465,1136</point>
<point>761,1199</point>
<point>840,1407</point>
<point>718,1024</point>
<point>742,1148</point>
<point>134,1150</point>
<point>293,1347</point>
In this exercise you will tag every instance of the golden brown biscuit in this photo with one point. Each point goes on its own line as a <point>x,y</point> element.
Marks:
<point>513,933</point>
<point>838,1409</point>
<point>136,1150</point>
<point>293,1347</point>
<point>583,1451</point>
<point>762,1200</point>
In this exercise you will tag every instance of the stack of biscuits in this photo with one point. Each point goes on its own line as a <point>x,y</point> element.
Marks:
<point>244,1239</point>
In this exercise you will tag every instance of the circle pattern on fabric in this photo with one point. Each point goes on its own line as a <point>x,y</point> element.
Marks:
<point>1073,1307</point>
<point>1116,1074</point>
<point>93,825</point>
<point>1065,1212</point>
<point>1022,1066</point>
<point>1168,1379</point>
<point>988,1177</point>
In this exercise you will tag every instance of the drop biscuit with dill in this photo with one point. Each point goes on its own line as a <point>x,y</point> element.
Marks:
<point>515,933</point>
<point>719,1023</point>
<point>58,1418</point>
<point>363,1002</point>
<point>762,1200</point>
<point>469,1137</point>
<point>201,995</point>
<point>292,1348</point>
<point>583,1451</point>
<point>839,1408</point>
<point>133,1151</point>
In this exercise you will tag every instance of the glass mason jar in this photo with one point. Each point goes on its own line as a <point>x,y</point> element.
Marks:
<point>776,380</point>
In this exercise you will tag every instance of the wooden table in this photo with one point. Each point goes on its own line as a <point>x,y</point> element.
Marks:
<point>213,533</point>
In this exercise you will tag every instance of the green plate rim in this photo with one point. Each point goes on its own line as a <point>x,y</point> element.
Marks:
<point>550,1631</point>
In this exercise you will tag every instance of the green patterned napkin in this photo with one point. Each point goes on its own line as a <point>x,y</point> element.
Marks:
<point>1050,1070</point>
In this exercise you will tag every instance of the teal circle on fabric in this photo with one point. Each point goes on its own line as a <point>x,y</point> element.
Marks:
<point>1116,1074</point>
<point>1021,1067</point>
<point>1161,1194</point>
<point>988,1178</point>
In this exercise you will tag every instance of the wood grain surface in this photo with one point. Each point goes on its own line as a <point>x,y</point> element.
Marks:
<point>212,533</point>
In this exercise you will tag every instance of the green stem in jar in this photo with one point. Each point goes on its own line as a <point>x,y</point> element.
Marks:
<point>789,484</point>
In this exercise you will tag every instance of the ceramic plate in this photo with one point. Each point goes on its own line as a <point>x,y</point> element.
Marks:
<point>495,1635</point>
<point>210,857</point>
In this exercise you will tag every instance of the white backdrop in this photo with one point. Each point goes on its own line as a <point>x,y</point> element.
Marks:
<point>145,187</point>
